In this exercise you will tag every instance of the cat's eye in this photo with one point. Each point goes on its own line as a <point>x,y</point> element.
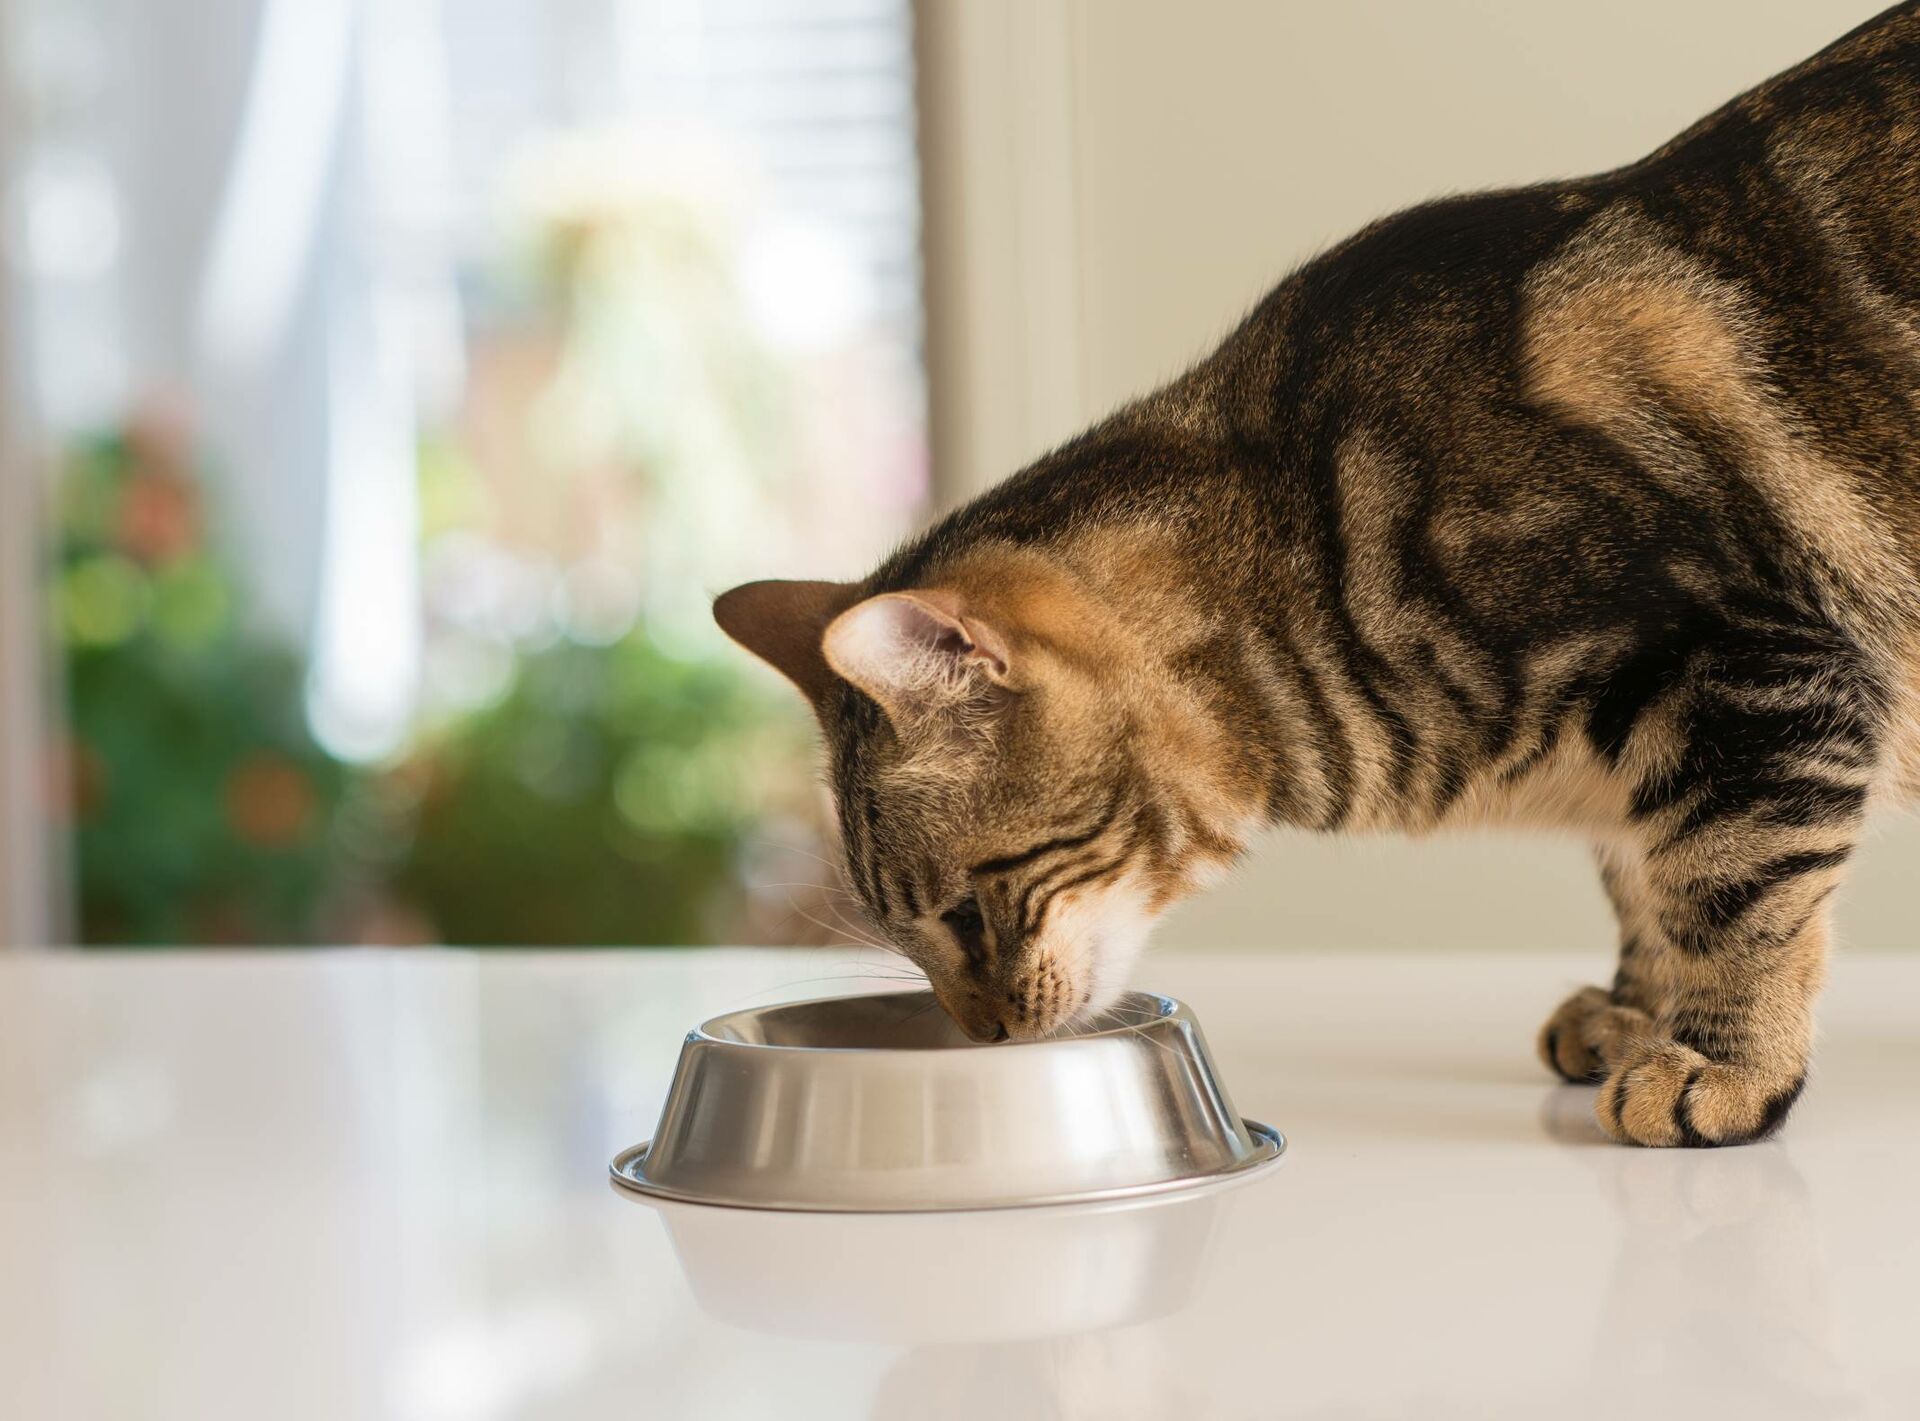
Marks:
<point>969,928</point>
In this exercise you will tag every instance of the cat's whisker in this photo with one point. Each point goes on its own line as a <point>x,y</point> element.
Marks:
<point>854,929</point>
<point>919,1012</point>
<point>1145,1018</point>
<point>835,929</point>
<point>835,866</point>
<point>829,977</point>
<point>861,927</point>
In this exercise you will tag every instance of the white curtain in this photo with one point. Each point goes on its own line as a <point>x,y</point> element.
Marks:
<point>285,275</point>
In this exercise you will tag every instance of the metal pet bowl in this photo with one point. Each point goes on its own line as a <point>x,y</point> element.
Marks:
<point>880,1103</point>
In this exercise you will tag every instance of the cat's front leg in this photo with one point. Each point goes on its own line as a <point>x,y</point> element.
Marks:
<point>1751,780</point>
<point>1727,1059</point>
<point>1745,944</point>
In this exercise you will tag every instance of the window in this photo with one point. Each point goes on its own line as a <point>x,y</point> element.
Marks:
<point>408,377</point>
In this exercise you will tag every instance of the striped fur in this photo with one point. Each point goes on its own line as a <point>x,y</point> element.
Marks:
<point>1593,506</point>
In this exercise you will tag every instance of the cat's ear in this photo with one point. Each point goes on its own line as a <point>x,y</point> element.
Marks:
<point>917,653</point>
<point>784,624</point>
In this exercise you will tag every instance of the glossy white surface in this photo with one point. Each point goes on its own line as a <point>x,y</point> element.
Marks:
<point>365,1185</point>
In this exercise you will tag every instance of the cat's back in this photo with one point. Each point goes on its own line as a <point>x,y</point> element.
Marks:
<point>1828,151</point>
<point>1718,341</point>
<point>1736,316</point>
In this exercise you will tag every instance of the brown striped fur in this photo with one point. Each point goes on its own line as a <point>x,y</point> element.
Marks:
<point>1593,506</point>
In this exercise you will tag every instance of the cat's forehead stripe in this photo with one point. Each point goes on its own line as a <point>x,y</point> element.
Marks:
<point>1055,845</point>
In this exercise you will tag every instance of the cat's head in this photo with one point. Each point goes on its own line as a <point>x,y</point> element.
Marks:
<point>1016,792</point>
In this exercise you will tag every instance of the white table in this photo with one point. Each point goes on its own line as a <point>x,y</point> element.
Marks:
<point>355,1184</point>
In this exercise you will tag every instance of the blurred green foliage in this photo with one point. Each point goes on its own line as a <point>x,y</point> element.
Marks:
<point>589,763</point>
<point>198,801</point>
<point>602,800</point>
<point>605,796</point>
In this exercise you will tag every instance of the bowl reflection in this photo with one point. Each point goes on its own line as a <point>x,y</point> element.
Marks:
<point>949,1278</point>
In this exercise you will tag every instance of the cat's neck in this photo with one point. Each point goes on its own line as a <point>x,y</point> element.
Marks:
<point>1210,696</point>
<point>1160,556</point>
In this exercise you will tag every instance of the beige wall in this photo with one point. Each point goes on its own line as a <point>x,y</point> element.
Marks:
<point>1111,182</point>
<point>24,849</point>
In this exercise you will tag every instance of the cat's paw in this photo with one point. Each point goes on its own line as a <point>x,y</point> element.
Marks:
<point>1588,1033</point>
<point>1662,1093</point>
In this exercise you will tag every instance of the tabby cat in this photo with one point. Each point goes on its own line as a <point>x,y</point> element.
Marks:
<point>1592,505</point>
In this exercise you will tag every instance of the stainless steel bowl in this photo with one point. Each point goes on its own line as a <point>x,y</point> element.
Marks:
<point>880,1103</point>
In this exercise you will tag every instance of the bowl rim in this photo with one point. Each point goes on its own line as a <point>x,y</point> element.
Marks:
<point>627,1170</point>
<point>1172,1010</point>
